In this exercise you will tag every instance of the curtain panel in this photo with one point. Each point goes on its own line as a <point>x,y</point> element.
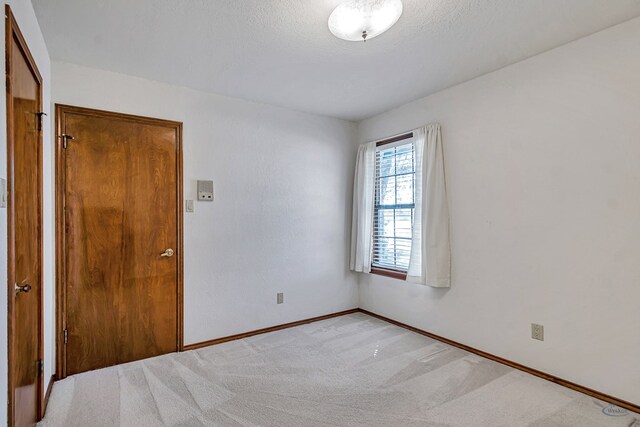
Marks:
<point>430,259</point>
<point>362,216</point>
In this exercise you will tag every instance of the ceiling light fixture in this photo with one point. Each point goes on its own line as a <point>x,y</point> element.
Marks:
<point>357,20</point>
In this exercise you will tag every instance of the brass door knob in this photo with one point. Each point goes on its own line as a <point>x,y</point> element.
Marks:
<point>167,253</point>
<point>23,288</point>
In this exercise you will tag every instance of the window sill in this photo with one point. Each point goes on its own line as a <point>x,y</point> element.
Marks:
<point>394,274</point>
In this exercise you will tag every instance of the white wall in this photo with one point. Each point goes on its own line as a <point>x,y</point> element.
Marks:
<point>543,173</point>
<point>25,16</point>
<point>281,215</point>
<point>542,161</point>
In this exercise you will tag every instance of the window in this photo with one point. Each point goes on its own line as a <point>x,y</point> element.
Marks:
<point>394,205</point>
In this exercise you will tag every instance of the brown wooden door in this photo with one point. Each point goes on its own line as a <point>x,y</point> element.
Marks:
<point>24,137</point>
<point>121,211</point>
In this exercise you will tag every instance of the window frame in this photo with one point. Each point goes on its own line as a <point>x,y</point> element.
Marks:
<point>380,271</point>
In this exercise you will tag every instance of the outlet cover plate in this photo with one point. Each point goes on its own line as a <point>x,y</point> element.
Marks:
<point>537,332</point>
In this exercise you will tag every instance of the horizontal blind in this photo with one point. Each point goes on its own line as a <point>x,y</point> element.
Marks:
<point>394,206</point>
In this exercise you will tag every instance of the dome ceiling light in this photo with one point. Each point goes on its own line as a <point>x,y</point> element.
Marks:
<point>357,20</point>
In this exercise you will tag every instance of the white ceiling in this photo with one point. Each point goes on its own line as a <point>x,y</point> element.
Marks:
<point>281,52</point>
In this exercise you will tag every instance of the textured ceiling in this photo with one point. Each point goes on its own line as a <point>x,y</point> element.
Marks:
<point>281,52</point>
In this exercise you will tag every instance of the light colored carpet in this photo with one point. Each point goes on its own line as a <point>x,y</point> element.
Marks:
<point>352,370</point>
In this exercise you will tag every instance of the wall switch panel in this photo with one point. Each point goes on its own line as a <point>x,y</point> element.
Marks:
<point>3,193</point>
<point>205,191</point>
<point>537,332</point>
<point>189,205</point>
<point>280,297</point>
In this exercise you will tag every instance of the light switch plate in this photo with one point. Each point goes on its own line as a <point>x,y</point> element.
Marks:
<point>3,193</point>
<point>189,205</point>
<point>280,297</point>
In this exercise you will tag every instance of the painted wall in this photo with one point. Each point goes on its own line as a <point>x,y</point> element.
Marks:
<point>542,161</point>
<point>25,16</point>
<point>281,214</point>
<point>543,174</point>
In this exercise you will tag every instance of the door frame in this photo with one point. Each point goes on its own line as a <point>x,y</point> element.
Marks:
<point>60,165</point>
<point>12,32</point>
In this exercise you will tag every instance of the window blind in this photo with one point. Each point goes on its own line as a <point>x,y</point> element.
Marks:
<point>394,206</point>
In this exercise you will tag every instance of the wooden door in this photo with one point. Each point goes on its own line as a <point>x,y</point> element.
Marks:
<point>120,183</point>
<point>24,153</point>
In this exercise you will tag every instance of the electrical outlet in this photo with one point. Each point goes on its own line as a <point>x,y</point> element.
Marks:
<point>280,297</point>
<point>537,332</point>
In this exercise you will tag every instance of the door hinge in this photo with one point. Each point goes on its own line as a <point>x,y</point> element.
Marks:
<point>65,139</point>
<point>40,114</point>
<point>41,366</point>
<point>66,336</point>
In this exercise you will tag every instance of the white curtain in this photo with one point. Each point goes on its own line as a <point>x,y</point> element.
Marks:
<point>430,259</point>
<point>362,220</point>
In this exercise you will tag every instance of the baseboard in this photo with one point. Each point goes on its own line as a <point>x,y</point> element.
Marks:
<point>265,330</point>
<point>47,394</point>
<point>582,389</point>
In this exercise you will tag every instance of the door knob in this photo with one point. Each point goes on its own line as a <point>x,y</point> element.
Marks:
<point>167,253</point>
<point>23,288</point>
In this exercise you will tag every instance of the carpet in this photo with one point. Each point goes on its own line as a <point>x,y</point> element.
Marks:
<point>352,370</point>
